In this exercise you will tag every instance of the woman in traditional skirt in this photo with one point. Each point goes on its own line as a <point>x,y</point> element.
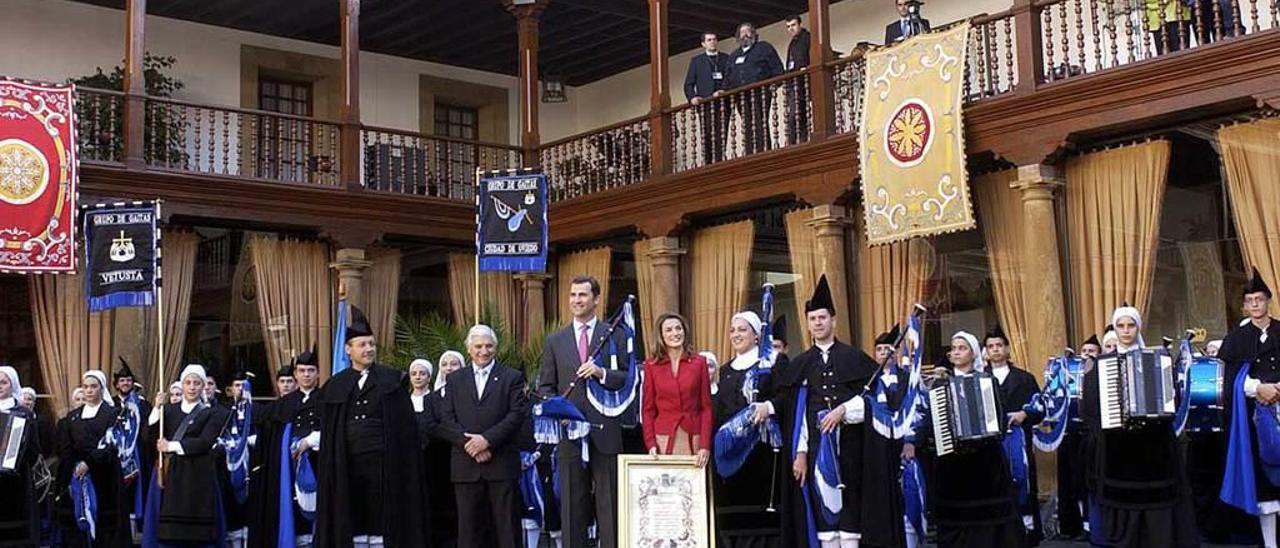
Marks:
<point>81,453</point>
<point>180,511</point>
<point>19,517</point>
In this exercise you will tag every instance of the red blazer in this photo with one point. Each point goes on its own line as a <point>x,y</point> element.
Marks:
<point>670,401</point>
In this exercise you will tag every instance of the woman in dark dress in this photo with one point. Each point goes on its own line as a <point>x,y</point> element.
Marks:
<point>443,528</point>
<point>186,512</point>
<point>743,516</point>
<point>19,514</point>
<point>79,453</point>
<point>1138,490</point>
<point>974,500</point>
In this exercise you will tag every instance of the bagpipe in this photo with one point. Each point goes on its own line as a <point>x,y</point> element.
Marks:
<point>738,436</point>
<point>235,441</point>
<point>897,423</point>
<point>123,436</point>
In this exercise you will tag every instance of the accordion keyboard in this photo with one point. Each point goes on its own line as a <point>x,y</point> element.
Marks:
<point>1110,392</point>
<point>939,411</point>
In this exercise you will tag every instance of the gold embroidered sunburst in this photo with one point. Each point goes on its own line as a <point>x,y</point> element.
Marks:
<point>24,173</point>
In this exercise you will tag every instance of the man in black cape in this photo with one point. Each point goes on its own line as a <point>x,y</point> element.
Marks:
<point>836,374</point>
<point>370,481</point>
<point>1072,503</point>
<point>125,385</point>
<point>1017,386</point>
<point>270,420</point>
<point>883,517</point>
<point>1255,342</point>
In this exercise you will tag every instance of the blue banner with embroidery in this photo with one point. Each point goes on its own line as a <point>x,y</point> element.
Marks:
<point>826,473</point>
<point>735,439</point>
<point>613,403</point>
<point>547,415</point>
<point>896,423</point>
<point>235,440</point>
<point>122,254</point>
<point>1053,403</point>
<point>511,222</point>
<point>305,486</point>
<point>1182,381</point>
<point>84,498</point>
<point>1015,450</point>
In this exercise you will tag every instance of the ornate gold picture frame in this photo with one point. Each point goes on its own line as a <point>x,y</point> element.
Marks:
<point>664,501</point>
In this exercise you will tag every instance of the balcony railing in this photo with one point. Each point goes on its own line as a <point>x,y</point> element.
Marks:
<point>848,75</point>
<point>404,162</point>
<point>98,124</point>
<point>244,143</point>
<point>610,157</point>
<point>992,68</point>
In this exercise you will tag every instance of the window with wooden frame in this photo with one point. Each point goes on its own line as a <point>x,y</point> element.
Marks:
<point>284,144</point>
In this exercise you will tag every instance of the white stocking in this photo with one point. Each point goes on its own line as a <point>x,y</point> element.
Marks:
<point>913,539</point>
<point>531,537</point>
<point>849,540</point>
<point>1268,522</point>
<point>360,541</point>
<point>832,543</point>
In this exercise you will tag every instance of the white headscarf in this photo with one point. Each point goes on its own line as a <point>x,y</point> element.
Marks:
<point>100,377</point>
<point>751,318</point>
<point>14,386</point>
<point>425,364</point>
<point>979,363</point>
<point>194,369</point>
<point>1131,313</point>
<point>1214,344</point>
<point>441,378</point>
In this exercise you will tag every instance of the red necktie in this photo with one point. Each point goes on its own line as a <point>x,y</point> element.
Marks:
<point>582,343</point>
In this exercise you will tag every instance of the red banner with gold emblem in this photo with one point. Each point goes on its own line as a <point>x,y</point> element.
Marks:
<point>38,176</point>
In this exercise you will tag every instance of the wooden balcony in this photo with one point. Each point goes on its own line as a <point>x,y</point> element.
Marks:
<point>1040,77</point>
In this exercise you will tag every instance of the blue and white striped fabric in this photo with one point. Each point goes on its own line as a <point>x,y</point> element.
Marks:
<point>613,403</point>
<point>547,415</point>
<point>898,424</point>
<point>826,473</point>
<point>1053,402</point>
<point>913,493</point>
<point>84,498</point>
<point>1015,451</point>
<point>236,443</point>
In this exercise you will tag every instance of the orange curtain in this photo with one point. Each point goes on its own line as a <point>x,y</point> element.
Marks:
<point>1000,218</point>
<point>644,289</point>
<point>295,299</point>
<point>802,246</point>
<point>382,293</point>
<point>720,260</point>
<point>891,280</point>
<point>1251,156</point>
<point>592,262</point>
<point>498,292</point>
<point>69,340</point>
<point>1113,214</point>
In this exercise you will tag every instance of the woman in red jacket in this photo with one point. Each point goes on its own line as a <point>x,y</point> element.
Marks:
<point>677,394</point>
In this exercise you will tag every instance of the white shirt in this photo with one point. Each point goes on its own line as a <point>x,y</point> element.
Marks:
<point>306,394</point>
<point>90,411</point>
<point>825,349</point>
<point>8,403</point>
<point>187,407</point>
<point>482,378</point>
<point>745,360</point>
<point>1001,372</point>
<point>364,375</point>
<point>418,400</point>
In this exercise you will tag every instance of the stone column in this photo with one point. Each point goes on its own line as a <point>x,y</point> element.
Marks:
<point>351,264</point>
<point>533,285</point>
<point>664,253</point>
<point>1041,284</point>
<point>829,224</point>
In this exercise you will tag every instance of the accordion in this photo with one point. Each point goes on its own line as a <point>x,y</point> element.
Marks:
<point>12,428</point>
<point>1135,386</point>
<point>964,409</point>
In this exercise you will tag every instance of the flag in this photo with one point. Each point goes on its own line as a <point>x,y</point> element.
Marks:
<point>613,403</point>
<point>38,193</point>
<point>340,360</point>
<point>122,254</point>
<point>511,222</point>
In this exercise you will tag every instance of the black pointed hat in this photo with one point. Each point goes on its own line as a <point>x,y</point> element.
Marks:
<point>995,332</point>
<point>779,329</point>
<point>242,373</point>
<point>1093,339</point>
<point>285,370</point>
<point>1109,328</point>
<point>359,326</point>
<point>888,337</point>
<point>821,298</point>
<point>309,357</point>
<point>1257,285</point>
<point>123,371</point>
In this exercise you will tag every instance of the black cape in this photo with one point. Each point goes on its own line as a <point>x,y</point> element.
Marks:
<point>19,515</point>
<point>403,527</point>
<point>269,420</point>
<point>78,442</point>
<point>1242,346</point>
<point>882,471</point>
<point>1016,391</point>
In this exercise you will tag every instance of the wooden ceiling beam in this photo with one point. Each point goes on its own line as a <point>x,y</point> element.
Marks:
<point>638,11</point>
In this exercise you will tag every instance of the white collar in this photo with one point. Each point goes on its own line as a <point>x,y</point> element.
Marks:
<point>306,392</point>
<point>711,53</point>
<point>577,326</point>
<point>187,406</point>
<point>482,370</point>
<point>825,347</point>
<point>417,400</point>
<point>90,411</point>
<point>745,360</point>
<point>993,366</point>
<point>8,403</point>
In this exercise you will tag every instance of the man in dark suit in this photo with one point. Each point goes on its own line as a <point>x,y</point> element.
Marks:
<point>797,88</point>
<point>905,27</point>
<point>566,359</point>
<point>755,60</point>
<point>706,79</point>
<point>483,411</point>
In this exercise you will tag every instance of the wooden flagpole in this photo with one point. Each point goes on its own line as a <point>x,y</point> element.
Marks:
<point>160,329</point>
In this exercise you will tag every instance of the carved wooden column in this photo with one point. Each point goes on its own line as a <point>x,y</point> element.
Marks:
<point>659,87</point>
<point>821,87</point>
<point>351,264</point>
<point>829,224</point>
<point>527,18</point>
<point>534,287</point>
<point>1042,269</point>
<point>664,254</point>
<point>349,138</point>
<point>135,88</point>
<point>1030,45</point>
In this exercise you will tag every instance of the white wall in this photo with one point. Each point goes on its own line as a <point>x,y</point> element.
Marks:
<point>58,39</point>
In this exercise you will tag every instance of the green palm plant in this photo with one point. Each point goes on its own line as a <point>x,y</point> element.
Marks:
<point>430,335</point>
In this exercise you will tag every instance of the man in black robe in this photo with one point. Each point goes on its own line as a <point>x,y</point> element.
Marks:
<point>1017,386</point>
<point>1255,343</point>
<point>270,420</point>
<point>370,483</point>
<point>836,374</point>
<point>883,519</point>
<point>1072,504</point>
<point>125,386</point>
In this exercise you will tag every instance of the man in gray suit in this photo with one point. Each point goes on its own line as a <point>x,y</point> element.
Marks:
<point>565,359</point>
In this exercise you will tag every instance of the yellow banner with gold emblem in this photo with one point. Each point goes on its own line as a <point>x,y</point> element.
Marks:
<point>912,139</point>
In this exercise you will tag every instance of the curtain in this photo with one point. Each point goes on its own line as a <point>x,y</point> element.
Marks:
<point>382,293</point>
<point>720,258</point>
<point>179,279</point>
<point>1113,211</point>
<point>592,262</point>
<point>1000,218</point>
<point>498,290</point>
<point>891,279</point>
<point>1251,158</point>
<point>295,299</point>
<point>644,289</point>
<point>69,340</point>
<point>802,245</point>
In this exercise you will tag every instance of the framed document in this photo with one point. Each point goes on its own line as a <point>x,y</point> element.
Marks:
<point>664,502</point>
